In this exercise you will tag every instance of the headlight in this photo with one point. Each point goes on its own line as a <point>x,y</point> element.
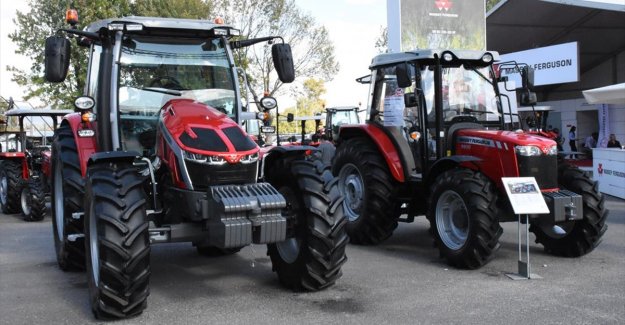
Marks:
<point>528,150</point>
<point>553,151</point>
<point>211,160</point>
<point>248,159</point>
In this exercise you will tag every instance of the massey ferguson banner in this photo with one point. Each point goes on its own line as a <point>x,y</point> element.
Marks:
<point>437,24</point>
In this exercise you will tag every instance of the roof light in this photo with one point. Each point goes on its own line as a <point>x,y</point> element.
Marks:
<point>448,57</point>
<point>487,58</point>
<point>219,21</point>
<point>116,26</point>
<point>71,17</point>
<point>220,32</point>
<point>235,32</point>
<point>84,103</point>
<point>134,27</point>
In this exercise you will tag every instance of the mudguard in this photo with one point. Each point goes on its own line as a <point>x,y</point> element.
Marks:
<point>85,146</point>
<point>270,155</point>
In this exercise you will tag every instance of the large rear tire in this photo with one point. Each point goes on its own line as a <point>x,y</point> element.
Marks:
<point>117,241</point>
<point>463,216</point>
<point>369,190</point>
<point>67,198</point>
<point>10,179</point>
<point>33,200</point>
<point>312,258</point>
<point>580,237</point>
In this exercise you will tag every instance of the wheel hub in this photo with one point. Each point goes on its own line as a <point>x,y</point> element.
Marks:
<point>351,186</point>
<point>452,220</point>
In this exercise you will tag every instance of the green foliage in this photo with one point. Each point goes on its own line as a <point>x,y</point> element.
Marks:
<point>490,4</point>
<point>192,9</point>
<point>309,104</point>
<point>312,49</point>
<point>44,19</point>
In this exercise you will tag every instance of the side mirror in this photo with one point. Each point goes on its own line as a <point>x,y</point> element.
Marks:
<point>57,52</point>
<point>402,71</point>
<point>410,100</point>
<point>283,62</point>
<point>290,117</point>
<point>527,78</point>
<point>528,98</point>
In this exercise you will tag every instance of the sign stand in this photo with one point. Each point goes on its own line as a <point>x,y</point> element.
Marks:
<point>525,198</point>
<point>525,268</point>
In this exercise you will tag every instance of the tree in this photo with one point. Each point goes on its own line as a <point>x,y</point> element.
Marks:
<point>193,9</point>
<point>312,49</point>
<point>381,43</point>
<point>44,19</point>
<point>309,103</point>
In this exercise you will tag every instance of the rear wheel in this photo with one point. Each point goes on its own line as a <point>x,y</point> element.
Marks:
<point>312,257</point>
<point>369,190</point>
<point>67,198</point>
<point>10,178</point>
<point>463,217</point>
<point>33,200</point>
<point>579,237</point>
<point>117,240</point>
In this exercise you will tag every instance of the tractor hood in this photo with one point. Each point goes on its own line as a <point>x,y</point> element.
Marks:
<point>498,138</point>
<point>203,130</point>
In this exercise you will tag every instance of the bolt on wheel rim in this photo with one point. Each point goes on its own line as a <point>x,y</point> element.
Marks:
<point>351,186</point>
<point>452,220</point>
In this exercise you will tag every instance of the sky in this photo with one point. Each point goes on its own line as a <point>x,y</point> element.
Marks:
<point>353,27</point>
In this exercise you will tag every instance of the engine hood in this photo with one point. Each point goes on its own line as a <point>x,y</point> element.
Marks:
<point>201,129</point>
<point>515,138</point>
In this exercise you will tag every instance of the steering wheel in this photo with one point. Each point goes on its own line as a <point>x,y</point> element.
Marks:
<point>167,82</point>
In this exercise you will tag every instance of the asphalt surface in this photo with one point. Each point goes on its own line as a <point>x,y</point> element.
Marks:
<point>399,282</point>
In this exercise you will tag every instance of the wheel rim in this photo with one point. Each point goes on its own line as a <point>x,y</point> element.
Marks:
<point>93,246</point>
<point>452,220</point>
<point>3,189</point>
<point>549,230</point>
<point>25,200</point>
<point>289,249</point>
<point>58,200</point>
<point>351,186</point>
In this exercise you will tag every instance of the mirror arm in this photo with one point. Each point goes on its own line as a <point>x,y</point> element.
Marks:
<point>252,41</point>
<point>94,36</point>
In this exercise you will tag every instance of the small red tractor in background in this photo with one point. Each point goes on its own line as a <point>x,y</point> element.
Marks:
<point>436,142</point>
<point>25,168</point>
<point>155,153</point>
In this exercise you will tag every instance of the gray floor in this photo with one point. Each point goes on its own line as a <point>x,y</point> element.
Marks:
<point>399,282</point>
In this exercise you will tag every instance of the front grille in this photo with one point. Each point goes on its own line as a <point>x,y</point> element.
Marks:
<point>543,168</point>
<point>204,175</point>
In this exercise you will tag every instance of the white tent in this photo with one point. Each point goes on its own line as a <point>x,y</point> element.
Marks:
<point>614,94</point>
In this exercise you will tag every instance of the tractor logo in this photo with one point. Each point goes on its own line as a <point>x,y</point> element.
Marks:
<point>600,169</point>
<point>443,4</point>
<point>233,159</point>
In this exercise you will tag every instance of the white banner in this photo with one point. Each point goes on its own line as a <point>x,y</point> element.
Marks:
<point>604,125</point>
<point>552,64</point>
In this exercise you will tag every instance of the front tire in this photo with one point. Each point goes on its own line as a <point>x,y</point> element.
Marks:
<point>67,195</point>
<point>33,200</point>
<point>369,191</point>
<point>581,236</point>
<point>312,257</point>
<point>463,216</point>
<point>117,241</point>
<point>10,179</point>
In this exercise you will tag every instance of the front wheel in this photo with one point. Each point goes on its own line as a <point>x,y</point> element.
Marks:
<point>117,241</point>
<point>463,216</point>
<point>579,237</point>
<point>33,200</point>
<point>312,257</point>
<point>10,179</point>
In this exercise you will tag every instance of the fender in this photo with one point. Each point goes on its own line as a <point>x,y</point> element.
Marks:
<point>269,155</point>
<point>446,163</point>
<point>17,156</point>
<point>85,146</point>
<point>398,162</point>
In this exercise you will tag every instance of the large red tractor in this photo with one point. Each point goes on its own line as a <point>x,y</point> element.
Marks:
<point>435,143</point>
<point>155,153</point>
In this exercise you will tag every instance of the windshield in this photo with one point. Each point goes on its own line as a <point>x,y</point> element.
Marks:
<point>154,70</point>
<point>466,92</point>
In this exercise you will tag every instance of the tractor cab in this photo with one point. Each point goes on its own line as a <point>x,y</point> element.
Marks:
<point>338,116</point>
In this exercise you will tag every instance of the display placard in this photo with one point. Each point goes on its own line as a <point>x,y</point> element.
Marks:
<point>524,195</point>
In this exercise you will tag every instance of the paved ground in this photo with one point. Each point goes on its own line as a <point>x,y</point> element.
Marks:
<point>399,282</point>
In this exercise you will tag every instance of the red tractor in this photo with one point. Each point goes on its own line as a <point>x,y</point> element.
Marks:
<point>155,154</point>
<point>435,143</point>
<point>25,167</point>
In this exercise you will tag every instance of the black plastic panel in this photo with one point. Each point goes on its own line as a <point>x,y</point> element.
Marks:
<point>238,139</point>
<point>207,139</point>
<point>543,168</point>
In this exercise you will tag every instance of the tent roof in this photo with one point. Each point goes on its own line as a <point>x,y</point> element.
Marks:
<point>598,27</point>
<point>613,94</point>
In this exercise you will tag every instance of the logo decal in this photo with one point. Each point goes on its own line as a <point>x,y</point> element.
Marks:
<point>600,169</point>
<point>443,4</point>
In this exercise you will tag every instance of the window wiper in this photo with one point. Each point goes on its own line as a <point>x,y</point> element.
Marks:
<point>163,91</point>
